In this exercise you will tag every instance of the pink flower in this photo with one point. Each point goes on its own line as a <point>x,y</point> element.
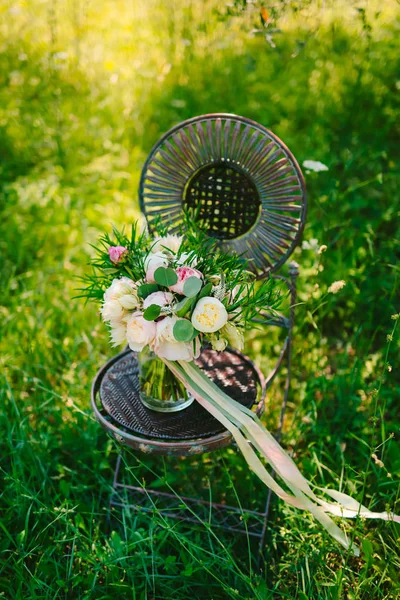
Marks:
<point>139,332</point>
<point>183,274</point>
<point>159,298</point>
<point>117,253</point>
<point>152,263</point>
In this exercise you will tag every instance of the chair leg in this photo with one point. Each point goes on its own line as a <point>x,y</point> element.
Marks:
<point>293,273</point>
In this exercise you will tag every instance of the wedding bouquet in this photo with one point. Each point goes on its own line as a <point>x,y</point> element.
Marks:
<point>173,293</point>
<point>167,296</point>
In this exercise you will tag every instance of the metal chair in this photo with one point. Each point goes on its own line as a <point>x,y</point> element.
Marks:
<point>249,193</point>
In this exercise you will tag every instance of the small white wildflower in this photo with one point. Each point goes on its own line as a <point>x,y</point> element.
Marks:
<point>322,249</point>
<point>315,165</point>
<point>377,461</point>
<point>312,244</point>
<point>336,286</point>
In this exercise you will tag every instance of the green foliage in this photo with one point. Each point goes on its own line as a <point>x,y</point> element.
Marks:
<point>86,90</point>
<point>152,312</point>
<point>184,331</point>
<point>184,305</point>
<point>165,277</point>
<point>192,287</point>
<point>146,289</point>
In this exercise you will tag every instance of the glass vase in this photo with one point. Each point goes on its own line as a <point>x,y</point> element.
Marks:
<point>160,390</point>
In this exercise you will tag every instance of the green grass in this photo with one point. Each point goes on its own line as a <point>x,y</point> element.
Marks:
<point>86,88</point>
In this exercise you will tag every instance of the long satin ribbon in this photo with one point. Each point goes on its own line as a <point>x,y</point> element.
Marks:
<point>245,427</point>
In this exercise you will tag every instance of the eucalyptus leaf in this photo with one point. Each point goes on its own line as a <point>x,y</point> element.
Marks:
<point>152,312</point>
<point>146,289</point>
<point>183,330</point>
<point>183,307</point>
<point>192,286</point>
<point>165,276</point>
<point>205,291</point>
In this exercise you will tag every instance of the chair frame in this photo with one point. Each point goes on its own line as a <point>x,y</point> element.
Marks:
<point>159,192</point>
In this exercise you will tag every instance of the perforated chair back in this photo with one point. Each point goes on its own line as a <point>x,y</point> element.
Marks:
<point>246,187</point>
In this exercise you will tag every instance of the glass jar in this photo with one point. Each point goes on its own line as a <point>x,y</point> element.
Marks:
<point>160,390</point>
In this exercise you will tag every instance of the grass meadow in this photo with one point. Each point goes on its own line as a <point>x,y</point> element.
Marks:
<point>86,89</point>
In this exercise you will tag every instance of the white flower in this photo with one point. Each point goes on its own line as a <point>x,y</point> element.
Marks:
<point>117,333</point>
<point>233,335</point>
<point>159,298</point>
<point>336,286</point>
<point>112,311</point>
<point>120,297</point>
<point>119,287</point>
<point>166,345</point>
<point>315,165</point>
<point>169,242</point>
<point>209,315</point>
<point>311,244</point>
<point>129,301</point>
<point>152,263</point>
<point>139,332</point>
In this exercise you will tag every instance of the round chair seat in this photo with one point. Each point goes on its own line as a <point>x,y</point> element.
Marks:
<point>118,408</point>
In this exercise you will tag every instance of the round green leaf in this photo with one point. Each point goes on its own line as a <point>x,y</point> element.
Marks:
<point>165,276</point>
<point>183,330</point>
<point>152,312</point>
<point>192,286</point>
<point>146,289</point>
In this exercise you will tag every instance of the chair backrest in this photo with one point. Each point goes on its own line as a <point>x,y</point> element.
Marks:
<point>246,185</point>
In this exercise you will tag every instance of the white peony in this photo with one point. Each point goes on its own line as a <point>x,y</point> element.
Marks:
<point>152,263</point>
<point>120,297</point>
<point>117,333</point>
<point>166,345</point>
<point>209,315</point>
<point>119,287</point>
<point>159,298</point>
<point>169,242</point>
<point>112,310</point>
<point>139,332</point>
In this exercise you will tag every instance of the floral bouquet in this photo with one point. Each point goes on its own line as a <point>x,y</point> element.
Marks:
<point>168,295</point>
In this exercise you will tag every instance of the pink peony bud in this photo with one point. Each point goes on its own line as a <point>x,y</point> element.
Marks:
<point>183,274</point>
<point>117,253</point>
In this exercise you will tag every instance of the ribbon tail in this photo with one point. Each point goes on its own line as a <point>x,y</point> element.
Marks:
<point>267,445</point>
<point>299,500</point>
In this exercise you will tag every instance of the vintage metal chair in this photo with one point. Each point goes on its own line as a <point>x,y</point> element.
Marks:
<point>250,195</point>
